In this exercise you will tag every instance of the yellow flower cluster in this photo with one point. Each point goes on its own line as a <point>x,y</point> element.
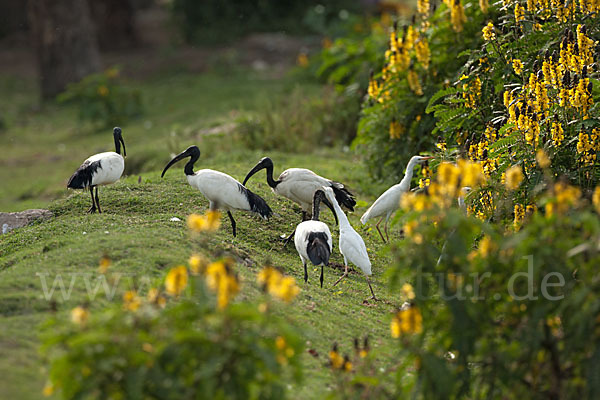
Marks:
<point>565,197</point>
<point>596,199</point>
<point>105,263</point>
<point>176,280</point>
<point>277,285</point>
<point>337,362</point>
<point>513,177</point>
<point>471,91</point>
<point>131,300</point>
<point>155,297</point>
<point>484,5</point>
<point>80,315</point>
<point>588,146</point>
<point>407,321</point>
<point>488,32</point>
<point>519,13</point>
<point>423,8</point>
<point>396,129</point>
<point>197,264</point>
<point>457,14</point>
<point>413,82</point>
<point>221,279</point>
<point>517,66</point>
<point>519,216</point>
<point>422,52</point>
<point>374,89</point>
<point>201,223</point>
<point>284,351</point>
<point>557,133</point>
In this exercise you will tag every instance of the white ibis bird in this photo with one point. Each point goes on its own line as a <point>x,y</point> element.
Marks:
<point>299,186</point>
<point>352,246</point>
<point>389,201</point>
<point>100,169</point>
<point>313,239</point>
<point>221,190</point>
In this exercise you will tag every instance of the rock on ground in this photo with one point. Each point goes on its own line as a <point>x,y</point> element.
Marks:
<point>13,220</point>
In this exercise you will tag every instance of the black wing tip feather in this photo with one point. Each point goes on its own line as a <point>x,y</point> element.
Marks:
<point>343,196</point>
<point>318,250</point>
<point>257,203</point>
<point>82,178</point>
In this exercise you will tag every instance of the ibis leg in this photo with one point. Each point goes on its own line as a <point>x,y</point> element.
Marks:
<point>97,201</point>
<point>378,230</point>
<point>370,287</point>
<point>321,278</point>
<point>93,207</point>
<point>345,274</point>
<point>385,228</point>
<point>232,222</point>
<point>305,274</point>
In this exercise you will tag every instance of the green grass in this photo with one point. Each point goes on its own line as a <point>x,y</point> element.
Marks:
<point>136,232</point>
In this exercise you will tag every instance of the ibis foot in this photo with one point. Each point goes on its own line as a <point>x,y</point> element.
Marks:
<point>91,210</point>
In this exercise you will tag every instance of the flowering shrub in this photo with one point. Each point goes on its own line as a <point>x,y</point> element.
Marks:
<point>183,340</point>
<point>102,99</point>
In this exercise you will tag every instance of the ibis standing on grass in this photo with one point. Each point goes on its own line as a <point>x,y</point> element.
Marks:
<point>389,201</point>
<point>352,246</point>
<point>299,186</point>
<point>313,239</point>
<point>100,169</point>
<point>221,190</point>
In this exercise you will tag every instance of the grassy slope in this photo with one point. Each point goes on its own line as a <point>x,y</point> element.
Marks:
<point>136,233</point>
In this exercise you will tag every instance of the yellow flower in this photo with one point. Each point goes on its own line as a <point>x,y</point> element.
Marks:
<point>407,291</point>
<point>197,264</point>
<point>396,130</point>
<point>220,279</point>
<point>104,264</point>
<point>519,216</point>
<point>103,90</point>
<point>542,159</point>
<point>518,67</point>
<point>280,343</point>
<point>155,297</point>
<point>112,72</point>
<point>347,364</point>
<point>277,285</point>
<point>208,222</point>
<point>484,5</point>
<point>176,280</point>
<point>488,32</point>
<point>471,173</point>
<point>48,390</point>
<point>302,60</point>
<point>79,315</point>
<point>407,321</point>
<point>596,199</point>
<point>514,177</point>
<point>335,359</point>
<point>485,246</point>
<point>519,13</point>
<point>131,301</point>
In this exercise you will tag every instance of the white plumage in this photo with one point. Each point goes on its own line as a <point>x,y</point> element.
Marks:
<point>100,169</point>
<point>352,245</point>
<point>299,185</point>
<point>221,190</point>
<point>389,201</point>
<point>313,239</point>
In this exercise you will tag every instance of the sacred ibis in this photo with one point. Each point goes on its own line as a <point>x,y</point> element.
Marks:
<point>313,239</point>
<point>100,169</point>
<point>221,190</point>
<point>352,245</point>
<point>299,186</point>
<point>389,201</point>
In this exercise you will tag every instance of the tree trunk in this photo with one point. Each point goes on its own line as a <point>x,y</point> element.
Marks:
<point>65,42</point>
<point>115,25</point>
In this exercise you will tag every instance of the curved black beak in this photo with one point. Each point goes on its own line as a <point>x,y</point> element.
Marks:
<point>175,159</point>
<point>123,143</point>
<point>264,163</point>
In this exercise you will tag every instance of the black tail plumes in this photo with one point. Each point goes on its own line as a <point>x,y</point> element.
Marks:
<point>343,196</point>
<point>257,204</point>
<point>82,178</point>
<point>318,249</point>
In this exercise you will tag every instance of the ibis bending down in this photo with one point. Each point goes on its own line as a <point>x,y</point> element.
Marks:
<point>352,245</point>
<point>313,239</point>
<point>100,169</point>
<point>389,201</point>
<point>221,190</point>
<point>299,186</point>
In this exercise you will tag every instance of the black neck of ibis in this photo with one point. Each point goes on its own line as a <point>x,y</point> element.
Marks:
<point>193,152</point>
<point>267,164</point>
<point>319,196</point>
<point>117,134</point>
